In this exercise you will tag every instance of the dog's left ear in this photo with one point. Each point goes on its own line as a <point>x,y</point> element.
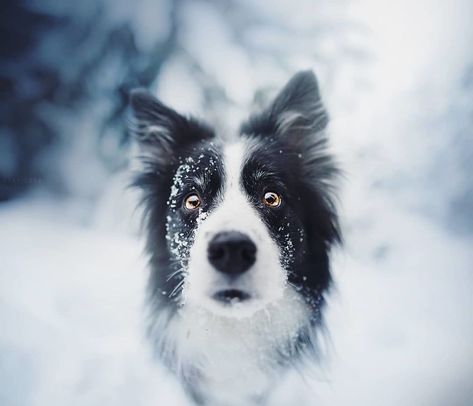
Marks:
<point>297,111</point>
<point>298,107</point>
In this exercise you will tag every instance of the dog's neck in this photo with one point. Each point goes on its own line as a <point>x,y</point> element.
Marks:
<point>235,359</point>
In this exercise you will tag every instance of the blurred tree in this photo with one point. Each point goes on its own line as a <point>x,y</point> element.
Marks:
<point>66,69</point>
<point>23,86</point>
<point>55,60</point>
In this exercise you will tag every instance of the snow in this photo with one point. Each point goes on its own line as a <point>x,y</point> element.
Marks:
<point>71,312</point>
<point>399,321</point>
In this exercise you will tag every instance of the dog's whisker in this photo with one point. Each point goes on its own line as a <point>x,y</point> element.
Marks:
<point>293,285</point>
<point>175,273</point>
<point>177,288</point>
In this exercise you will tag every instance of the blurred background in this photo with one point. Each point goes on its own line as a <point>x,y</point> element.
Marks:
<point>397,78</point>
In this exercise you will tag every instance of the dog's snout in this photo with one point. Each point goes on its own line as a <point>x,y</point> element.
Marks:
<point>232,252</point>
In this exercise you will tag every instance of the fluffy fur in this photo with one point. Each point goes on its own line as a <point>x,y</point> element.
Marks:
<point>230,352</point>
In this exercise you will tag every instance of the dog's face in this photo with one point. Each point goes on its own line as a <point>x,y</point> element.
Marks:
<point>235,225</point>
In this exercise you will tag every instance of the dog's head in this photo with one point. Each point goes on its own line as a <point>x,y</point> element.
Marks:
<point>233,225</point>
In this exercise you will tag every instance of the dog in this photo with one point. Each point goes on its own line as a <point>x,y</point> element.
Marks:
<point>239,231</point>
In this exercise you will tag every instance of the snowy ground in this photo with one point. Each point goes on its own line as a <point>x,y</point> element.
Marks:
<point>400,319</point>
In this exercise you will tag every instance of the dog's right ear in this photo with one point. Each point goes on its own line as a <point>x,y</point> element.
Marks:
<point>159,130</point>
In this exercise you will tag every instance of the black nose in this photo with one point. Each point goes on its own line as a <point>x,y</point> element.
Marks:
<point>231,252</point>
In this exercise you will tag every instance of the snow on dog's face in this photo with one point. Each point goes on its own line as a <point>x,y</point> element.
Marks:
<point>232,226</point>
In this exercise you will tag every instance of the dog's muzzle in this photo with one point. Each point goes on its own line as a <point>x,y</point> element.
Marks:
<point>232,253</point>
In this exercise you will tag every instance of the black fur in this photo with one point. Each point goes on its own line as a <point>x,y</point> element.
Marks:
<point>164,151</point>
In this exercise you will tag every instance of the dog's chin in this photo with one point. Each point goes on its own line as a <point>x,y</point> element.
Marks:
<point>230,302</point>
<point>231,296</point>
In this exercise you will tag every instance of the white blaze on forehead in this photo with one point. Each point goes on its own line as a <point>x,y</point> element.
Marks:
<point>236,211</point>
<point>233,159</point>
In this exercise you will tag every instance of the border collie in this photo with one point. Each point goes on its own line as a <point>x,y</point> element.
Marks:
<point>239,231</point>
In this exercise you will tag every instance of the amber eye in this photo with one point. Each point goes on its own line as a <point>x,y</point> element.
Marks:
<point>192,201</point>
<point>272,199</point>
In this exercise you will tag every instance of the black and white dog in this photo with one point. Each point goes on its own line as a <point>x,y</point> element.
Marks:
<point>238,232</point>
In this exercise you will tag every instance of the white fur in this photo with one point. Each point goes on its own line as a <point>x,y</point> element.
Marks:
<point>236,356</point>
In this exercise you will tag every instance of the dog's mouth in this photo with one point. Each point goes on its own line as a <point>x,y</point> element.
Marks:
<point>231,296</point>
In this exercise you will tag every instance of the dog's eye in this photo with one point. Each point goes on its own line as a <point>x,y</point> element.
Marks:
<point>192,201</point>
<point>272,199</point>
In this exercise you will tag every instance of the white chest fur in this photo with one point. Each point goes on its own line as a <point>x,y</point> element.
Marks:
<point>236,358</point>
